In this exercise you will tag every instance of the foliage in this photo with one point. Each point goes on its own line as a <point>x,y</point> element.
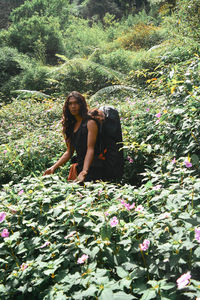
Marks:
<point>187,13</point>
<point>26,35</point>
<point>48,8</point>
<point>141,36</point>
<point>82,74</point>
<point>30,137</point>
<point>52,224</point>
<point>19,71</point>
<point>11,66</point>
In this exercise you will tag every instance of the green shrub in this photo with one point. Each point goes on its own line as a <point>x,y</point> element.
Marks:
<point>118,60</point>
<point>24,34</point>
<point>83,75</point>
<point>11,66</point>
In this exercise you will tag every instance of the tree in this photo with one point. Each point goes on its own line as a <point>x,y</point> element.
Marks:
<point>47,8</point>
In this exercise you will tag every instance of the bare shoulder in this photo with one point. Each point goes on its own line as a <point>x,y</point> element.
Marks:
<point>91,124</point>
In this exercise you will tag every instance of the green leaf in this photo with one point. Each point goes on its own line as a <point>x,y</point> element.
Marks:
<point>148,294</point>
<point>106,294</point>
<point>168,286</point>
<point>123,296</point>
<point>121,272</point>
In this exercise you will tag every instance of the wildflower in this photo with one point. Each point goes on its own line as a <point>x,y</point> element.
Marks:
<point>157,121</point>
<point>157,187</point>
<point>45,244</point>
<point>100,192</point>
<point>128,206</point>
<point>69,235</point>
<point>183,280</point>
<point>5,151</point>
<point>106,213</point>
<point>23,266</point>
<point>122,201</point>
<point>197,234</point>
<point>114,222</point>
<point>21,192</point>
<point>5,233</point>
<point>130,159</point>
<point>147,109</point>
<point>158,115</point>
<point>2,216</point>
<point>174,160</point>
<point>145,245</point>
<point>188,164</point>
<point>140,208</point>
<point>82,259</point>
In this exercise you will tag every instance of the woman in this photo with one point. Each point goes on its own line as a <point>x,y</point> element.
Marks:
<point>81,134</point>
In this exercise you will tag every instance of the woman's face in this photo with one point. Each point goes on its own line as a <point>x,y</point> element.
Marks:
<point>74,106</point>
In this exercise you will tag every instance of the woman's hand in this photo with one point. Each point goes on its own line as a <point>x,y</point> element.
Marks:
<point>49,171</point>
<point>81,176</point>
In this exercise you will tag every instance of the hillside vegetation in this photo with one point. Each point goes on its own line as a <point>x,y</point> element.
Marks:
<point>139,239</point>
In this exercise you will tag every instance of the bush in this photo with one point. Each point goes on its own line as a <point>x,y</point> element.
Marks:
<point>83,75</point>
<point>141,36</point>
<point>119,60</point>
<point>20,72</point>
<point>24,34</point>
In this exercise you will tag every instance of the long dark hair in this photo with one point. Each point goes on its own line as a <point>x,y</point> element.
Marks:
<point>68,120</point>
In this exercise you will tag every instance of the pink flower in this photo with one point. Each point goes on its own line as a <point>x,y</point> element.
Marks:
<point>82,259</point>
<point>140,208</point>
<point>197,234</point>
<point>174,160</point>
<point>147,109</point>
<point>183,280</point>
<point>5,233</point>
<point>188,164</point>
<point>69,235</point>
<point>100,192</point>
<point>2,216</point>
<point>157,187</point>
<point>158,115</point>
<point>45,244</point>
<point>122,201</point>
<point>114,222</point>
<point>23,266</point>
<point>128,206</point>
<point>145,245</point>
<point>5,151</point>
<point>21,192</point>
<point>130,159</point>
<point>106,213</point>
<point>157,121</point>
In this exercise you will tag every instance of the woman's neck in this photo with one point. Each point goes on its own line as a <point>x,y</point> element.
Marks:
<point>78,118</point>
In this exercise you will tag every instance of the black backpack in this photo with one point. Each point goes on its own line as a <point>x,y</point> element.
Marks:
<point>111,145</point>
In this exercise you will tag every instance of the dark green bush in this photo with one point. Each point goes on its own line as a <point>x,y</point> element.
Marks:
<point>24,34</point>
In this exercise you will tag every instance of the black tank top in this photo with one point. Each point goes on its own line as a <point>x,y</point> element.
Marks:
<point>79,142</point>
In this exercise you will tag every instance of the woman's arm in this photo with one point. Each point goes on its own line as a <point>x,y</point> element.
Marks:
<point>64,158</point>
<point>91,141</point>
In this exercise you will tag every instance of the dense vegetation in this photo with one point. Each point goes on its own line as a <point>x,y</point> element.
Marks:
<point>131,240</point>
